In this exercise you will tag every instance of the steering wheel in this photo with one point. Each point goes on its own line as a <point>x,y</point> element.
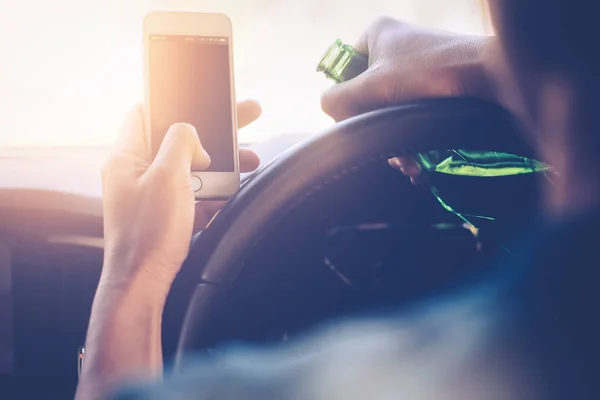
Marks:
<point>259,210</point>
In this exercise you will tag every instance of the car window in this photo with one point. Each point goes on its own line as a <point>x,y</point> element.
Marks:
<point>75,66</point>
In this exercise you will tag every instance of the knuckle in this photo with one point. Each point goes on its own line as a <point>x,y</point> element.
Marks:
<point>385,31</point>
<point>384,22</point>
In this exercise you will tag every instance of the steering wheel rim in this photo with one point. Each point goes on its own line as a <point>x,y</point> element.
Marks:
<point>218,254</point>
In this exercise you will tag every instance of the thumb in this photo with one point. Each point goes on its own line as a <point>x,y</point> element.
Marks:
<point>181,150</point>
<point>366,92</point>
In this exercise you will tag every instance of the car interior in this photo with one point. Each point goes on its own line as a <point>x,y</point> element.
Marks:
<point>341,233</point>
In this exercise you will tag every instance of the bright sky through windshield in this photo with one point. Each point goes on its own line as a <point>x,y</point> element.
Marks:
<point>71,68</point>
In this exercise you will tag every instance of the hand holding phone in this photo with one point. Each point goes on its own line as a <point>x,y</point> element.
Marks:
<point>189,78</point>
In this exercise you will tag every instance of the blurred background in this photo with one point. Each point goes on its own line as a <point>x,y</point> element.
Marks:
<point>70,69</point>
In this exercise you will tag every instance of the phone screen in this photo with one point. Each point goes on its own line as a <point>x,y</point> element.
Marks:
<point>190,82</point>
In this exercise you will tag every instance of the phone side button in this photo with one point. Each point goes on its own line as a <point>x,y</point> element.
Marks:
<point>196,183</point>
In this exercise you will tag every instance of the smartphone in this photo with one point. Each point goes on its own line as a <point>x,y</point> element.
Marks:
<point>188,68</point>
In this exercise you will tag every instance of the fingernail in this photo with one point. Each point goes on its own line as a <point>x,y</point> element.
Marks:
<point>395,163</point>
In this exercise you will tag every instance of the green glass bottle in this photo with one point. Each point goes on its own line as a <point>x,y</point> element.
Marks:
<point>341,63</point>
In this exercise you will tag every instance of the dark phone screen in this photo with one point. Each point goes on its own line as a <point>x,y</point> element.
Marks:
<point>190,82</point>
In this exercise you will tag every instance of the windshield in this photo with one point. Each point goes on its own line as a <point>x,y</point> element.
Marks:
<point>75,66</point>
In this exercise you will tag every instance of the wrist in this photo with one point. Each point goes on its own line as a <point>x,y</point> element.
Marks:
<point>126,269</point>
<point>137,295</point>
<point>139,282</point>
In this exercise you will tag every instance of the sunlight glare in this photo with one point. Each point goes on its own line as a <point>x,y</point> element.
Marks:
<point>74,75</point>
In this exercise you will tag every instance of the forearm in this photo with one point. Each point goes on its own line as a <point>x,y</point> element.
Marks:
<point>124,337</point>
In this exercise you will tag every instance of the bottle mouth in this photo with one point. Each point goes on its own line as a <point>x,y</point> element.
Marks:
<point>331,60</point>
<point>336,59</point>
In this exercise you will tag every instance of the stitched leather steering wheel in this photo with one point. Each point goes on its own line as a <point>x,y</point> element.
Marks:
<point>220,252</point>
